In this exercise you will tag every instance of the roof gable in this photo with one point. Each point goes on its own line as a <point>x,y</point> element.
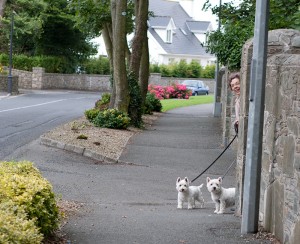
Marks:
<point>183,41</point>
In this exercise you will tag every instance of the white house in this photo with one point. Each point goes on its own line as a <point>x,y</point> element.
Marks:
<point>177,31</point>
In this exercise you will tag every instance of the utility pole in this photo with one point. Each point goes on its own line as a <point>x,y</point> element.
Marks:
<point>217,104</point>
<point>9,85</point>
<point>251,194</point>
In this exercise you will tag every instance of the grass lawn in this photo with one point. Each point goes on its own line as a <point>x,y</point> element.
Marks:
<point>169,104</point>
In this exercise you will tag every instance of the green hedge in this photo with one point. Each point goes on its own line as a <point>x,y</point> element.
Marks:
<point>22,185</point>
<point>51,64</point>
<point>184,70</point>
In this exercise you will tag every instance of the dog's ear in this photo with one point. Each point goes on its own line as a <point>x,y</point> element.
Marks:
<point>207,179</point>
<point>186,179</point>
<point>220,179</point>
<point>178,179</point>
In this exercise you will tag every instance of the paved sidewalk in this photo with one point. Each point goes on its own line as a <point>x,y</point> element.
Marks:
<point>136,203</point>
<point>140,203</point>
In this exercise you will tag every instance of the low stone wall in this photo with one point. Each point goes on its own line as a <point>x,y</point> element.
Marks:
<point>4,84</point>
<point>38,79</point>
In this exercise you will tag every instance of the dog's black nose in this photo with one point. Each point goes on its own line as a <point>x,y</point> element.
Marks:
<point>214,188</point>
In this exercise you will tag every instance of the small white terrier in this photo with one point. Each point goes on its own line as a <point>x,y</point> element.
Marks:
<point>188,193</point>
<point>223,197</point>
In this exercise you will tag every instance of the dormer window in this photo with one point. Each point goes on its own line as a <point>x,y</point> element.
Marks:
<point>169,36</point>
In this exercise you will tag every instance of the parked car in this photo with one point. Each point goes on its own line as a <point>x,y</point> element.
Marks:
<point>198,87</point>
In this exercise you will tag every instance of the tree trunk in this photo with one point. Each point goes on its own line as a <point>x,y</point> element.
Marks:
<point>2,6</point>
<point>118,11</point>
<point>144,70</point>
<point>107,37</point>
<point>141,9</point>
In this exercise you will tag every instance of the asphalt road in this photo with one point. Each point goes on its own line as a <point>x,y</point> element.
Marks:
<point>23,118</point>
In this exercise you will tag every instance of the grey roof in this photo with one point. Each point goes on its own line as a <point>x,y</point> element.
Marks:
<point>197,26</point>
<point>181,44</point>
<point>159,21</point>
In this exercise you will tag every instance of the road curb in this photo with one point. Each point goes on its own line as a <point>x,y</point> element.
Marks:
<point>76,149</point>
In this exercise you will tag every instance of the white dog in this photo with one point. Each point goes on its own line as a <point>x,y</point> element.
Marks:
<point>223,197</point>
<point>188,193</point>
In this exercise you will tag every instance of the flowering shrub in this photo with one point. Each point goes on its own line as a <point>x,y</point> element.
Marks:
<point>174,91</point>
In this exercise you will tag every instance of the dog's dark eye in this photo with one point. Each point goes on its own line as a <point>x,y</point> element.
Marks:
<point>211,184</point>
<point>185,185</point>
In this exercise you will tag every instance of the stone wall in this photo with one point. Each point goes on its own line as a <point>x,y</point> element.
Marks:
<point>38,79</point>
<point>280,176</point>
<point>4,84</point>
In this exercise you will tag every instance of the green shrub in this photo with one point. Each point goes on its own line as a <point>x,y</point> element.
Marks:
<point>96,66</point>
<point>15,227</point>
<point>209,71</point>
<point>91,114</point>
<point>23,184</point>
<point>152,104</point>
<point>112,118</point>
<point>105,99</point>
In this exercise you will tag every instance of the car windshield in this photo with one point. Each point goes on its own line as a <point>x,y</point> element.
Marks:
<point>190,83</point>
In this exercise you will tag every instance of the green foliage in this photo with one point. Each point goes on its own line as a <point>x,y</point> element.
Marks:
<point>237,26</point>
<point>15,227</point>
<point>23,184</point>
<point>209,71</point>
<point>91,114</point>
<point>50,63</point>
<point>183,70</point>
<point>180,69</point>
<point>135,104</point>
<point>103,103</point>
<point>155,68</point>
<point>46,28</point>
<point>152,104</point>
<point>112,118</point>
<point>96,66</point>
<point>82,137</point>
<point>166,70</point>
<point>194,69</point>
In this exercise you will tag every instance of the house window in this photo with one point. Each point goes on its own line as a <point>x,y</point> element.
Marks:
<point>171,60</point>
<point>169,36</point>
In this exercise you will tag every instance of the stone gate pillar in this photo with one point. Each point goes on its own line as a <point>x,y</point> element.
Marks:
<point>37,77</point>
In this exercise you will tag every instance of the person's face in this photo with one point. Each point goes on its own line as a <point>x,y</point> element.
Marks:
<point>235,85</point>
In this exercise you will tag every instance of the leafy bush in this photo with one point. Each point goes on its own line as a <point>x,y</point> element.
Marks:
<point>23,184</point>
<point>96,66</point>
<point>91,114</point>
<point>103,103</point>
<point>152,104</point>
<point>50,63</point>
<point>209,71</point>
<point>112,118</point>
<point>15,227</point>
<point>184,70</point>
